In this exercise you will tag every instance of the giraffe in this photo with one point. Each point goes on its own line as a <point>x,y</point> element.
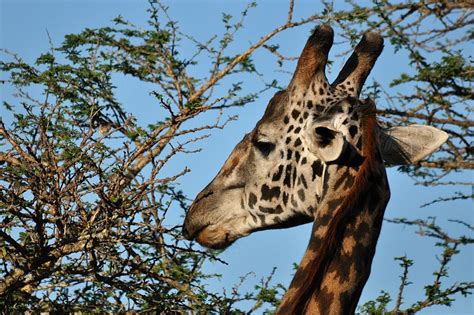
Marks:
<point>317,155</point>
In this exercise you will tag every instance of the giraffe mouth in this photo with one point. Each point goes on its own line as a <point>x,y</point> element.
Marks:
<point>221,233</point>
<point>215,223</point>
<point>194,235</point>
<point>212,236</point>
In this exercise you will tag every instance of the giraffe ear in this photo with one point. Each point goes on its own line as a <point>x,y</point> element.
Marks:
<point>327,143</point>
<point>409,144</point>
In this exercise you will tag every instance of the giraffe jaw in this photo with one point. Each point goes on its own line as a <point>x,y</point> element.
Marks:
<point>224,234</point>
<point>219,236</point>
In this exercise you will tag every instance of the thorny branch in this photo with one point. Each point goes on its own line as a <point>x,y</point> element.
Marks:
<point>434,292</point>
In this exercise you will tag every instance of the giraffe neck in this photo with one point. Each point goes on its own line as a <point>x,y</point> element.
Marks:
<point>337,262</point>
<point>336,288</point>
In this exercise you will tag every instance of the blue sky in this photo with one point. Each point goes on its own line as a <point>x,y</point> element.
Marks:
<point>23,31</point>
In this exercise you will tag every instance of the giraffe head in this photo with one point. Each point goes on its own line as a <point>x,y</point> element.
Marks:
<point>275,177</point>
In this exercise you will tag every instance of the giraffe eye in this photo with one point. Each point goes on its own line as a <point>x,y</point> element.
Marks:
<point>264,147</point>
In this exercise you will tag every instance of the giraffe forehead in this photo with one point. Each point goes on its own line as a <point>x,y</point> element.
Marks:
<point>291,113</point>
<point>286,103</point>
<point>297,104</point>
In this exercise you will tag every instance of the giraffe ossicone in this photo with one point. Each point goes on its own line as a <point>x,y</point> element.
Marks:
<point>304,161</point>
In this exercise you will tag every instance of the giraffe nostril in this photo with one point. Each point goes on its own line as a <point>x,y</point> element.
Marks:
<point>203,195</point>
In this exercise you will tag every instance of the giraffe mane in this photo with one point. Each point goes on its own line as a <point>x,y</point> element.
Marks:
<point>332,240</point>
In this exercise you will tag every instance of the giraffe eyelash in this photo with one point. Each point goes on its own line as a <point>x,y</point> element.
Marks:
<point>265,147</point>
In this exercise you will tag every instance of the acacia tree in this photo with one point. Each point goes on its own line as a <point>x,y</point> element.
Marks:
<point>84,206</point>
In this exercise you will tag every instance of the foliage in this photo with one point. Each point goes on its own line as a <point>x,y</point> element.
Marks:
<point>83,203</point>
<point>84,207</point>
<point>436,292</point>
